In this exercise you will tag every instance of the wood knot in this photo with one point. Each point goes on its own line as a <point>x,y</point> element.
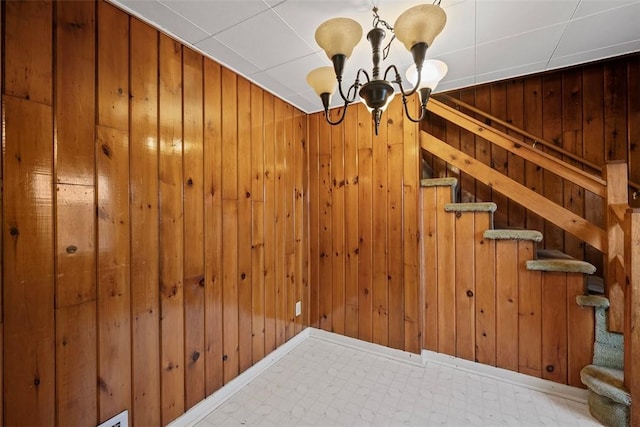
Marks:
<point>550,368</point>
<point>106,150</point>
<point>195,356</point>
<point>71,249</point>
<point>225,358</point>
<point>243,276</point>
<point>190,182</point>
<point>14,231</point>
<point>469,293</point>
<point>247,195</point>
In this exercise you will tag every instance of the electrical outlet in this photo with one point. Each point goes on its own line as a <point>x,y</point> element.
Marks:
<point>120,420</point>
<point>298,308</point>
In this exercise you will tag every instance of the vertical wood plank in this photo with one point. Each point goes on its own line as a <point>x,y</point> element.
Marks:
<point>314,210</point>
<point>75,92</point>
<point>280,221</point>
<point>29,370</point>
<point>554,327</point>
<point>143,184</point>
<point>533,124</point>
<point>580,331</point>
<point>75,236</point>
<point>379,238</point>
<point>193,192</point>
<point>365,223</point>
<point>289,246</point>
<point>301,281</point>
<point>352,220</point>
<point>499,157</point>
<point>395,237</point>
<point>633,122</point>
<point>212,152</point>
<point>572,142</point>
<point>337,229</point>
<point>113,67</point>
<point>465,284</point>
<point>413,296</point>
<point>28,49</point>
<point>230,289</point>
<point>507,304</point>
<point>615,114</point>
<point>114,333</point>
<point>552,132</point>
<point>529,313</point>
<point>113,228</point>
<point>516,170</point>
<point>429,273</point>
<point>593,147</point>
<point>258,223</point>
<point>244,230</point>
<point>76,391</point>
<point>269,217</point>
<point>324,230</point>
<point>485,293</point>
<point>483,147</point>
<point>445,223</point>
<point>171,230</point>
<point>76,388</point>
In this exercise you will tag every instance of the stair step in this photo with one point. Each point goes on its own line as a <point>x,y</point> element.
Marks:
<point>531,235</point>
<point>606,382</point>
<point>561,265</point>
<point>592,301</point>
<point>471,207</point>
<point>439,182</point>
<point>554,260</point>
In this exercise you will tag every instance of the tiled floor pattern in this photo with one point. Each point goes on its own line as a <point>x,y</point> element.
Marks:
<point>325,384</point>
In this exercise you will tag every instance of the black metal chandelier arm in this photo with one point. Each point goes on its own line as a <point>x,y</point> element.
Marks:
<point>349,98</point>
<point>423,110</point>
<point>344,113</point>
<point>398,81</point>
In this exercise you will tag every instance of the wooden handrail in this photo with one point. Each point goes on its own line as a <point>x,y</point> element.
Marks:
<point>569,172</point>
<point>552,212</point>
<point>536,139</point>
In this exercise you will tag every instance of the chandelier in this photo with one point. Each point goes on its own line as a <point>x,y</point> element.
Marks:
<point>416,28</point>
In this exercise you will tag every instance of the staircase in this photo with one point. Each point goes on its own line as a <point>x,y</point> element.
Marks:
<point>512,304</point>
<point>494,297</point>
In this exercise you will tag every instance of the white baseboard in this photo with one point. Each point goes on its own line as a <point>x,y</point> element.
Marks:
<point>202,409</point>
<point>511,377</point>
<point>380,350</point>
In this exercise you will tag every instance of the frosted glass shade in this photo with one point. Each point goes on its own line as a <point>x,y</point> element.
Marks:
<point>338,36</point>
<point>322,80</point>
<point>420,24</point>
<point>432,72</point>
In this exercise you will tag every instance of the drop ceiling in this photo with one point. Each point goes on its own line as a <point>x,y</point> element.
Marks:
<point>271,42</point>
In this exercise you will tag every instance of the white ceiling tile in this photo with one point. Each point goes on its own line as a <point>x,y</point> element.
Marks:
<point>504,18</point>
<point>275,44</point>
<point>456,84</point>
<point>214,16</point>
<point>461,64</point>
<point>593,55</point>
<point>511,52</point>
<point>510,72</point>
<point>460,31</point>
<point>590,7</point>
<point>165,19</point>
<point>226,56</point>
<point>304,104</point>
<point>292,76</point>
<point>609,28</point>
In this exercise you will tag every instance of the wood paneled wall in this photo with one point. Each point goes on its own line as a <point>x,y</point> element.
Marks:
<point>154,241</point>
<point>592,111</point>
<point>364,219</point>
